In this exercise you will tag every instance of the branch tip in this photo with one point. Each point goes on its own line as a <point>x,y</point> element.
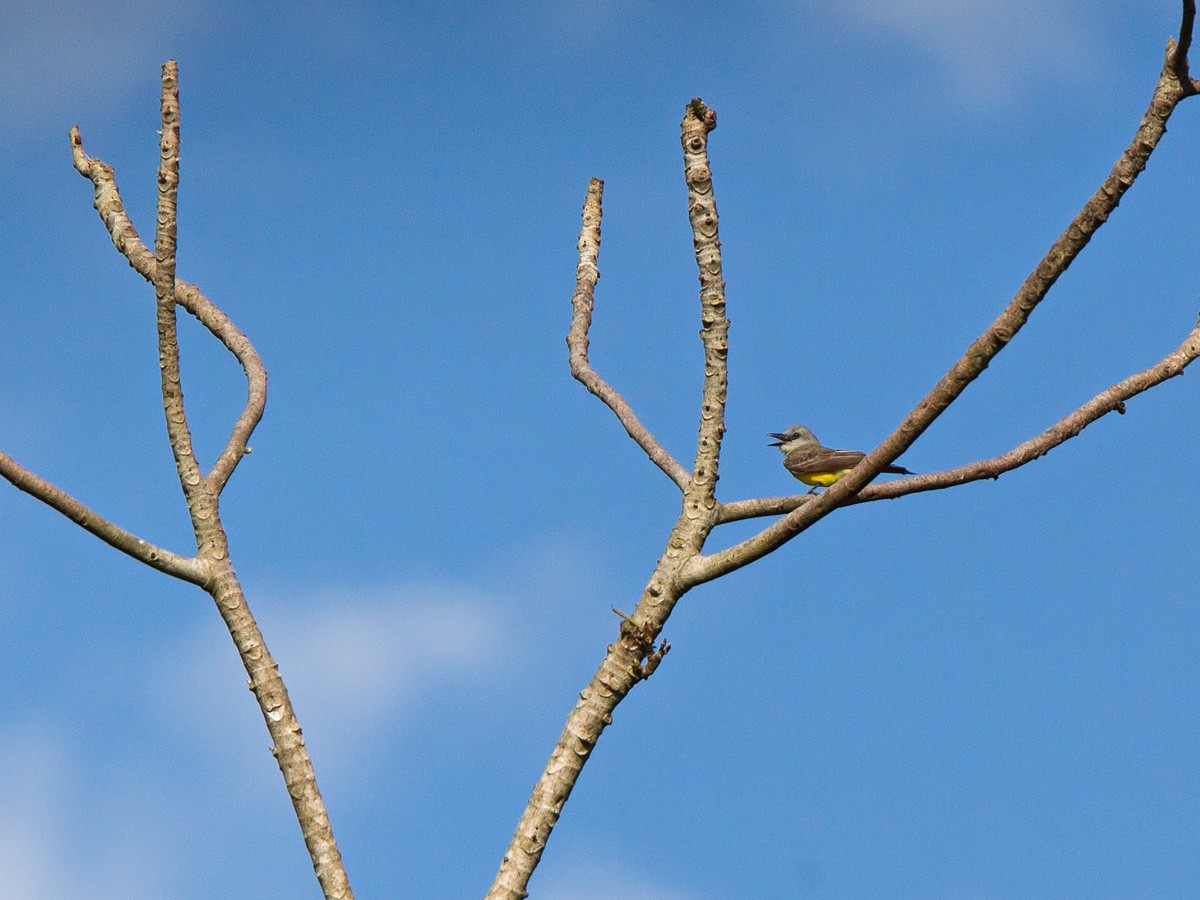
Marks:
<point>1177,51</point>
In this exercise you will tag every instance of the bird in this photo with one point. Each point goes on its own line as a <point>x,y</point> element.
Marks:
<point>815,465</point>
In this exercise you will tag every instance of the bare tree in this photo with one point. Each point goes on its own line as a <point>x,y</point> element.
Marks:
<point>638,650</point>
<point>634,656</point>
<point>211,568</point>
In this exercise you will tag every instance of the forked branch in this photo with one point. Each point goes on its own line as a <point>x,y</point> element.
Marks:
<point>211,568</point>
<point>633,657</point>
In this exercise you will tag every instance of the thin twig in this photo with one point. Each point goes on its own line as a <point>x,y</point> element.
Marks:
<point>582,303</point>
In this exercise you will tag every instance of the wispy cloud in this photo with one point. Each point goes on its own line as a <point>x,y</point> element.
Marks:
<point>990,52</point>
<point>62,57</point>
<point>359,656</point>
<point>40,854</point>
<point>602,877</point>
<point>353,661</point>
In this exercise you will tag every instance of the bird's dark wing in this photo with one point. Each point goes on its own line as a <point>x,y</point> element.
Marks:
<point>814,463</point>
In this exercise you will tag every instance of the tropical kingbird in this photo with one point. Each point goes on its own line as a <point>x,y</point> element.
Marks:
<point>815,465</point>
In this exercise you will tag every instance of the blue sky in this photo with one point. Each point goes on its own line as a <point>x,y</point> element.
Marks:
<point>983,692</point>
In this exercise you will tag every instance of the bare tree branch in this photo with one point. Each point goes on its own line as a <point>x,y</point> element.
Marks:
<point>202,501</point>
<point>1110,400</point>
<point>196,490</point>
<point>714,326</point>
<point>188,569</point>
<point>582,303</point>
<point>125,237</point>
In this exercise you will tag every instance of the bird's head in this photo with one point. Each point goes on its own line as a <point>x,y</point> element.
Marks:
<point>795,437</point>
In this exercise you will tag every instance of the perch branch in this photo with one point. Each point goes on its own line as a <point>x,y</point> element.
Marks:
<point>1110,400</point>
<point>583,302</point>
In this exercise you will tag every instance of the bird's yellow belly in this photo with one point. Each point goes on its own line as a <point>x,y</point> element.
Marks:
<point>821,479</point>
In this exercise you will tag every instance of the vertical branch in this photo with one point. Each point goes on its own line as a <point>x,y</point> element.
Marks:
<point>698,121</point>
<point>201,501</point>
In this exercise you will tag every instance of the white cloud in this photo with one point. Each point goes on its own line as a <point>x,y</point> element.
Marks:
<point>352,662</point>
<point>989,51</point>
<point>40,855</point>
<point>61,56</point>
<point>358,656</point>
<point>600,877</point>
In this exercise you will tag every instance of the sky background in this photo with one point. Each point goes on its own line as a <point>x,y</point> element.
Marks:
<point>985,692</point>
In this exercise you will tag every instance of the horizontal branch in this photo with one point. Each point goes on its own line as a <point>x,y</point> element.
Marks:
<point>186,568</point>
<point>125,238</point>
<point>583,302</point>
<point>706,568</point>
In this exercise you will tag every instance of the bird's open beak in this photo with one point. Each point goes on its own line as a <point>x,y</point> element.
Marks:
<point>778,440</point>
